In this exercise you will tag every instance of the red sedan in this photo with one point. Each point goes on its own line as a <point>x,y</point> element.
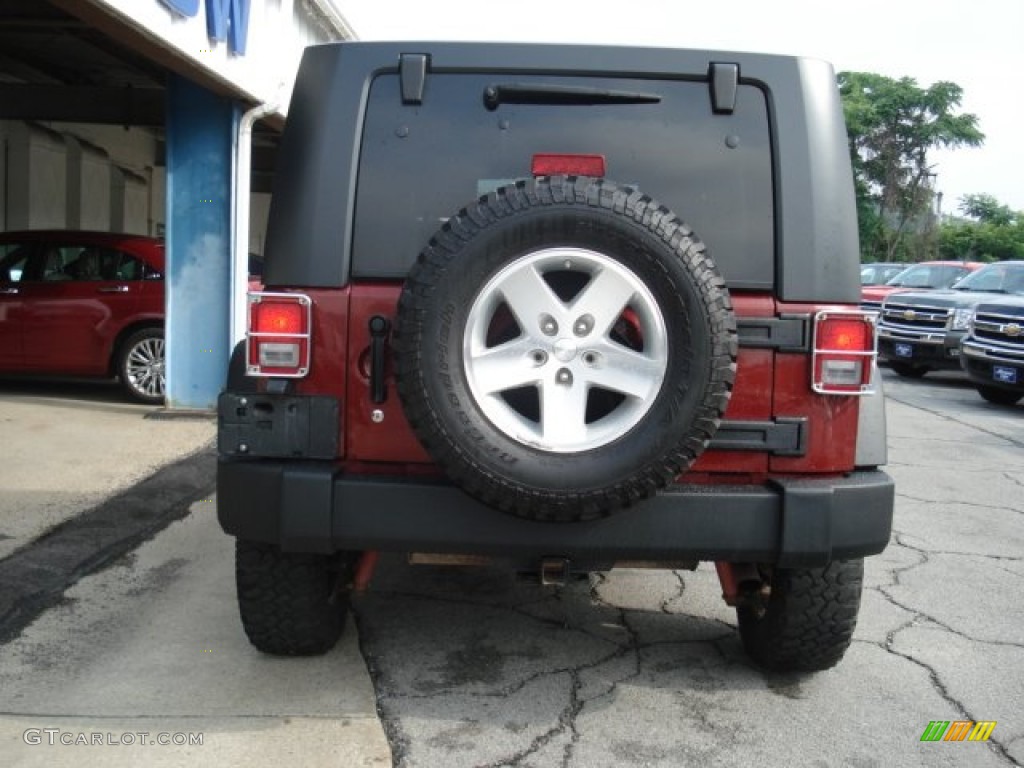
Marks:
<point>84,304</point>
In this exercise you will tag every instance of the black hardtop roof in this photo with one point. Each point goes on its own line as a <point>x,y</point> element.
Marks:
<point>582,57</point>
<point>308,238</point>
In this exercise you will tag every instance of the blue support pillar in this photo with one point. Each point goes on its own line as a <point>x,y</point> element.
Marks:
<point>202,129</point>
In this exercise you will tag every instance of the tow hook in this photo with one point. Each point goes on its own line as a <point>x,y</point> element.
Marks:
<point>554,571</point>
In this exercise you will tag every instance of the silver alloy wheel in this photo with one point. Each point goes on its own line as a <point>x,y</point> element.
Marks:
<point>144,367</point>
<point>589,330</point>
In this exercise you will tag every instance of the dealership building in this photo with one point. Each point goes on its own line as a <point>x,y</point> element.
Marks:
<point>161,118</point>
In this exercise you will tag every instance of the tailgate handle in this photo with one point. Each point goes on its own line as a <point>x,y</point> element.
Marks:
<point>379,327</point>
<point>113,289</point>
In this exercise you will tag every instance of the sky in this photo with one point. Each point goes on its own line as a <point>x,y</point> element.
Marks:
<point>978,45</point>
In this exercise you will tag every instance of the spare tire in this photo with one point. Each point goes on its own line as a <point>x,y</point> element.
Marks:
<point>564,347</point>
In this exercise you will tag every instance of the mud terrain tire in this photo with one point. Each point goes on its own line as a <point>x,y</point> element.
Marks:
<point>807,622</point>
<point>564,347</point>
<point>290,603</point>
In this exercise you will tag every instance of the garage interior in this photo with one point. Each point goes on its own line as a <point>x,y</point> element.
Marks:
<point>114,112</point>
<point>82,122</point>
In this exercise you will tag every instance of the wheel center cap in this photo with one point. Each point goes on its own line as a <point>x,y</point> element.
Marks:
<point>565,350</point>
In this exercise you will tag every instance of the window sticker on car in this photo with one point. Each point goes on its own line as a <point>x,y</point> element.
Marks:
<point>1004,373</point>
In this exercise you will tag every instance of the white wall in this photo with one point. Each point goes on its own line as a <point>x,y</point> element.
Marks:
<point>88,185</point>
<point>158,201</point>
<point>3,176</point>
<point>129,202</point>
<point>81,176</point>
<point>133,153</point>
<point>36,194</point>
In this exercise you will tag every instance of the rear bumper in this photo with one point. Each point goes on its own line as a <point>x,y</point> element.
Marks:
<point>312,506</point>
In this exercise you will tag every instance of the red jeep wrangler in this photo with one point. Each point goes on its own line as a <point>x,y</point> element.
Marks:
<point>571,307</point>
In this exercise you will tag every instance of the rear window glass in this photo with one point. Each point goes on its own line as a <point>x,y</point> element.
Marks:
<point>419,164</point>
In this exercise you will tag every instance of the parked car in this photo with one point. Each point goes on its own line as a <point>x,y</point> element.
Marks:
<point>925,275</point>
<point>880,273</point>
<point>919,331</point>
<point>992,352</point>
<point>84,304</point>
<point>528,354</point>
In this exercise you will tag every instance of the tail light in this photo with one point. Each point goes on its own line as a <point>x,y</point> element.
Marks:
<point>844,353</point>
<point>569,165</point>
<point>277,341</point>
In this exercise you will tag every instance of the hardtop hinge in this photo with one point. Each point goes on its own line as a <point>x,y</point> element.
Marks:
<point>724,78</point>
<point>412,70</point>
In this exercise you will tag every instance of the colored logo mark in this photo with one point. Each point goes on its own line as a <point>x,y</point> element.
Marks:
<point>958,730</point>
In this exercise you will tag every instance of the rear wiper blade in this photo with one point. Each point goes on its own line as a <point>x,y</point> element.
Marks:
<point>518,93</point>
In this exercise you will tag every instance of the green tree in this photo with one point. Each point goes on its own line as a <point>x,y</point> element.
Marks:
<point>892,124</point>
<point>987,209</point>
<point>990,231</point>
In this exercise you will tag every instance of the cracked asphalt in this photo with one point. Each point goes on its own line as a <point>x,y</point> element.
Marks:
<point>644,668</point>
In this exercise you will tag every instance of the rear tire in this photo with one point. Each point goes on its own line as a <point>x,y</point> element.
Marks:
<point>908,371</point>
<point>1000,396</point>
<point>807,621</point>
<point>291,604</point>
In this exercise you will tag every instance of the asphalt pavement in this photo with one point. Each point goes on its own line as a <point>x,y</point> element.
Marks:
<point>640,668</point>
<point>471,667</point>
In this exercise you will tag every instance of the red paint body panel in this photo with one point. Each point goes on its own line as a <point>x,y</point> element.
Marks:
<point>832,439</point>
<point>832,419</point>
<point>329,339</point>
<point>768,384</point>
<point>63,321</point>
<point>392,438</point>
<point>70,327</point>
<point>751,393</point>
<point>751,401</point>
